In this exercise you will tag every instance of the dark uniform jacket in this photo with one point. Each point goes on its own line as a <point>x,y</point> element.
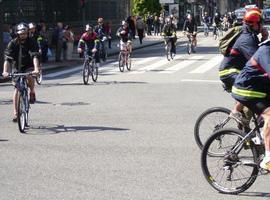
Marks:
<point>244,47</point>
<point>253,81</point>
<point>29,50</point>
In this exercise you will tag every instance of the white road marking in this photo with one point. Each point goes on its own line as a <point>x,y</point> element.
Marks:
<point>208,65</point>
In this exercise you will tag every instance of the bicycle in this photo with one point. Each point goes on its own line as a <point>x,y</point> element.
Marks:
<point>168,47</point>
<point>230,159</point>
<point>217,32</point>
<point>90,68</point>
<point>23,105</point>
<point>191,44</point>
<point>124,58</point>
<point>39,77</point>
<point>210,121</point>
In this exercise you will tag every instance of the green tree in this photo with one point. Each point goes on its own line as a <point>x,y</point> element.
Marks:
<point>143,7</point>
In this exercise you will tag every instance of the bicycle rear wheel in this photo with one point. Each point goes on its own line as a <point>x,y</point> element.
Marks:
<point>233,168</point>
<point>86,72</point>
<point>210,121</point>
<point>189,47</point>
<point>121,62</point>
<point>21,113</point>
<point>94,71</point>
<point>128,62</point>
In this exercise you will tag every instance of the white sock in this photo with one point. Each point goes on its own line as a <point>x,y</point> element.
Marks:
<point>267,154</point>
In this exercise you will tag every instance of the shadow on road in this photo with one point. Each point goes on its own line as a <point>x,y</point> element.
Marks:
<point>56,129</point>
<point>6,102</point>
<point>3,140</point>
<point>255,194</point>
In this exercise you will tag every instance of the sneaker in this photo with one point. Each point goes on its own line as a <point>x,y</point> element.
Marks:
<point>265,164</point>
<point>240,118</point>
<point>15,119</point>
<point>32,98</point>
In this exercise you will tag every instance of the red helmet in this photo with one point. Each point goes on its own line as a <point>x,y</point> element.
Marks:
<point>253,16</point>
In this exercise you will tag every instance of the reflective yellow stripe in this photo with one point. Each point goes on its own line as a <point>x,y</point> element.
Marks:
<point>248,93</point>
<point>39,38</point>
<point>81,40</point>
<point>226,72</point>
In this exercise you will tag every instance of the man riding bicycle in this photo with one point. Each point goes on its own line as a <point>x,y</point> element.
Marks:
<point>242,50</point>
<point>124,34</point>
<point>217,23</point>
<point>169,30</point>
<point>89,42</point>
<point>22,50</point>
<point>101,33</point>
<point>190,26</point>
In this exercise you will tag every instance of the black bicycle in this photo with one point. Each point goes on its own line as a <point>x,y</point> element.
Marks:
<point>230,158</point>
<point>23,105</point>
<point>210,121</point>
<point>90,68</point>
<point>39,77</point>
<point>168,47</point>
<point>190,43</point>
<point>103,49</point>
<point>124,58</point>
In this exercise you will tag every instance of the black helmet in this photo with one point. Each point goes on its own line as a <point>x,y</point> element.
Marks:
<point>21,28</point>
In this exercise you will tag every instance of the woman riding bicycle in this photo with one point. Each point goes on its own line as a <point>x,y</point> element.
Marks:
<point>190,26</point>
<point>124,34</point>
<point>22,50</point>
<point>89,41</point>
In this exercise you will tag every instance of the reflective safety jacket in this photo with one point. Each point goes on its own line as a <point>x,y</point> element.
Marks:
<point>244,47</point>
<point>253,82</point>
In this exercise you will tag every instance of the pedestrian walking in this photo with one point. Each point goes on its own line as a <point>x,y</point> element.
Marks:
<point>57,41</point>
<point>140,28</point>
<point>69,40</point>
<point>156,24</point>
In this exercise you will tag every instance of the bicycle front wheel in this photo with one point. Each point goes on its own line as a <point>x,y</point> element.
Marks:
<point>39,78</point>
<point>21,113</point>
<point>86,72</point>
<point>189,47</point>
<point>94,71</point>
<point>121,62</point>
<point>210,121</point>
<point>233,168</point>
<point>128,62</point>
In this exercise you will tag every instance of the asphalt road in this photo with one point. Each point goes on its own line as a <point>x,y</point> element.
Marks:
<point>128,136</point>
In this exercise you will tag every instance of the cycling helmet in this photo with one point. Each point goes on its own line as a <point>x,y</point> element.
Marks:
<point>31,25</point>
<point>88,27</point>
<point>100,20</point>
<point>21,28</point>
<point>253,16</point>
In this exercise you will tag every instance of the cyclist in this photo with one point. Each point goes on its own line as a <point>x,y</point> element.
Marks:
<point>190,26</point>
<point>22,50</point>
<point>217,23</point>
<point>124,34</point>
<point>34,33</point>
<point>206,23</point>
<point>101,33</point>
<point>252,89</point>
<point>169,29</point>
<point>89,42</point>
<point>242,50</point>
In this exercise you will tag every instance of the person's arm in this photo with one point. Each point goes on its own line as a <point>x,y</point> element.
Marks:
<point>9,57</point>
<point>81,44</point>
<point>262,59</point>
<point>248,47</point>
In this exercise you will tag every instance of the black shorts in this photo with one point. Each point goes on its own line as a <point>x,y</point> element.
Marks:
<point>258,106</point>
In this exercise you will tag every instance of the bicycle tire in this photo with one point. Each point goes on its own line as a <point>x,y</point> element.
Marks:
<point>189,48</point>
<point>121,62</point>
<point>86,72</point>
<point>231,164</point>
<point>128,62</point>
<point>21,113</point>
<point>167,50</point>
<point>94,71</point>
<point>201,137</point>
<point>39,78</point>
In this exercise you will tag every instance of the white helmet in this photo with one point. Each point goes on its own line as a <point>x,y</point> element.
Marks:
<point>88,27</point>
<point>31,25</point>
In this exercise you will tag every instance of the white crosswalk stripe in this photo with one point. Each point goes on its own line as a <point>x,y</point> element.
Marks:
<point>208,65</point>
<point>181,65</point>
